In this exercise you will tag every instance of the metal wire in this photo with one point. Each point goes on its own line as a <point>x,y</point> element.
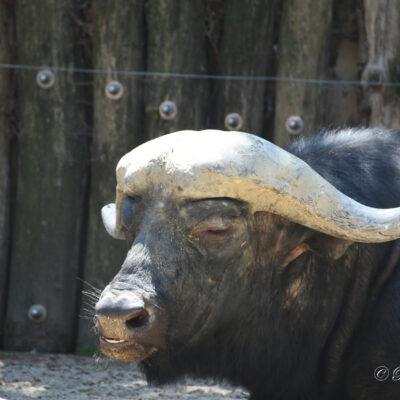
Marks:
<point>144,74</point>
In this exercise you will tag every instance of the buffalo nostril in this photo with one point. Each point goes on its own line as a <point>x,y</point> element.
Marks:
<point>137,319</point>
<point>120,314</point>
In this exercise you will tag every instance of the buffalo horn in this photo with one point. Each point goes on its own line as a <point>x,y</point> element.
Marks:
<point>216,164</point>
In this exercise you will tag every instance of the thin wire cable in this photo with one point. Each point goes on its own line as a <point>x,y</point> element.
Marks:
<point>145,74</point>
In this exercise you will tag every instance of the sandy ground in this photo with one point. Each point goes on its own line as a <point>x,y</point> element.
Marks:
<point>26,376</point>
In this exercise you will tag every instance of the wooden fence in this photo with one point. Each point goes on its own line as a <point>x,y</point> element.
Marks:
<point>331,63</point>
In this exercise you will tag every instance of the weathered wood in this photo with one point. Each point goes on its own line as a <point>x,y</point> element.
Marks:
<point>303,39</point>
<point>117,45</point>
<point>6,108</point>
<point>343,102</point>
<point>176,42</point>
<point>382,25</point>
<point>51,179</point>
<point>246,49</point>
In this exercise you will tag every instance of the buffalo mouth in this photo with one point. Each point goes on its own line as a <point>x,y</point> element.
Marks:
<point>126,350</point>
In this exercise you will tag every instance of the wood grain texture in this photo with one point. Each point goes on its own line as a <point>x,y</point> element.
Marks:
<point>343,103</point>
<point>303,39</point>
<point>51,179</point>
<point>56,225</point>
<point>176,42</point>
<point>246,49</point>
<point>7,100</point>
<point>117,127</point>
<point>382,28</point>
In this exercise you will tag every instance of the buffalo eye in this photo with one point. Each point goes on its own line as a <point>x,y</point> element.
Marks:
<point>213,229</point>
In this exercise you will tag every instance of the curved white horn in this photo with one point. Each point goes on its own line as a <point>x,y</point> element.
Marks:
<point>206,164</point>
<point>109,217</point>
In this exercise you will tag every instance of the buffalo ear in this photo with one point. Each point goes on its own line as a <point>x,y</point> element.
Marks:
<point>320,243</point>
<point>329,246</point>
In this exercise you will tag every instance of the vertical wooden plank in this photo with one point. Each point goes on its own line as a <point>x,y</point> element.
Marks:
<point>382,25</point>
<point>343,102</point>
<point>305,27</point>
<point>51,179</point>
<point>175,43</point>
<point>118,44</point>
<point>6,109</point>
<point>246,49</point>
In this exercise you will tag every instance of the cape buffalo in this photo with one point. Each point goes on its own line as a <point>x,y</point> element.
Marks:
<point>274,270</point>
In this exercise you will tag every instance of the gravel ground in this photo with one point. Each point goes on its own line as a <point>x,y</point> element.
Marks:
<point>26,376</point>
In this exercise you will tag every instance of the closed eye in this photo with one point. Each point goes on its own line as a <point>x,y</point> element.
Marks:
<point>213,229</point>
<point>218,231</point>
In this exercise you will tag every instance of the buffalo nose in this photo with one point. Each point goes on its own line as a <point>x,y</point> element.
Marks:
<point>121,314</point>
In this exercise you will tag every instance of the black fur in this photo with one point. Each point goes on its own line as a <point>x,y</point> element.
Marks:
<point>362,163</point>
<point>313,329</point>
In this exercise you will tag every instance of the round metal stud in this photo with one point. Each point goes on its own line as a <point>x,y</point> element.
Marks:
<point>168,110</point>
<point>114,90</point>
<point>233,122</point>
<point>37,313</point>
<point>45,79</point>
<point>294,125</point>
